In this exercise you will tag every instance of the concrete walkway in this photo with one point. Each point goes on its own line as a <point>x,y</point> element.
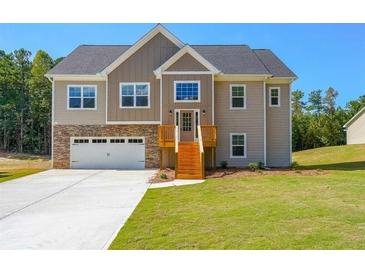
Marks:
<point>177,182</point>
<point>68,209</point>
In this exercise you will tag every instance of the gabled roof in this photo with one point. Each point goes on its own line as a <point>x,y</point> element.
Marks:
<point>147,37</point>
<point>179,54</point>
<point>99,60</point>
<point>356,116</point>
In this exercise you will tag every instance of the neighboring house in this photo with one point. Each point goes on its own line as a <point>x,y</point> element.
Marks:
<point>355,128</point>
<point>163,103</point>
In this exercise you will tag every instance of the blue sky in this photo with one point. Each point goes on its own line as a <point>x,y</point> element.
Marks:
<point>322,55</point>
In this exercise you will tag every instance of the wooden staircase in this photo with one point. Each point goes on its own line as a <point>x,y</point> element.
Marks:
<point>189,161</point>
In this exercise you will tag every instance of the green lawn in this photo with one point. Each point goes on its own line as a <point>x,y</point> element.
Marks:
<point>262,212</point>
<point>16,173</point>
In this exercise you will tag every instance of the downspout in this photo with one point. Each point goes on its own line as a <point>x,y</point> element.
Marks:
<point>290,126</point>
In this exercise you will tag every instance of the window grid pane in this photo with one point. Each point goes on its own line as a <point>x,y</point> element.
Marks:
<point>238,145</point>
<point>82,97</point>
<point>274,97</point>
<point>135,95</point>
<point>187,91</point>
<point>237,97</point>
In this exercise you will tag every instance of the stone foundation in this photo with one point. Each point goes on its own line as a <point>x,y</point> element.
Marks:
<point>62,134</point>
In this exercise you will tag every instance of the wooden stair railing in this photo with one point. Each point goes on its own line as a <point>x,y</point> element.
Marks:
<point>176,151</point>
<point>166,135</point>
<point>209,135</point>
<point>201,150</point>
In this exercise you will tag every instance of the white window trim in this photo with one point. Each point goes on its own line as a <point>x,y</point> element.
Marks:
<point>82,97</point>
<point>230,97</point>
<point>244,148</point>
<point>187,101</point>
<point>278,105</point>
<point>134,95</point>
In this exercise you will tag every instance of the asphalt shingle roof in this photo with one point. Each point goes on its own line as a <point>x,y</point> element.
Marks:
<point>88,59</point>
<point>232,59</point>
<point>276,67</point>
<point>229,59</point>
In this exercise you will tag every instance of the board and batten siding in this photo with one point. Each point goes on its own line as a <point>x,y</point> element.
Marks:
<point>64,116</point>
<point>356,131</point>
<point>139,68</point>
<point>278,128</point>
<point>187,63</point>
<point>205,98</point>
<point>249,121</point>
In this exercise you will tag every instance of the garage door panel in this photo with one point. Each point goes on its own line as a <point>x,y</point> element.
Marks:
<point>107,155</point>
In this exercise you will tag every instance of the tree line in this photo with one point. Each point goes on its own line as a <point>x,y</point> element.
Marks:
<point>318,121</point>
<point>25,108</point>
<point>25,102</point>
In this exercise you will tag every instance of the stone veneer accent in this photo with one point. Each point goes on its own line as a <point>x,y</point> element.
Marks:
<point>62,134</point>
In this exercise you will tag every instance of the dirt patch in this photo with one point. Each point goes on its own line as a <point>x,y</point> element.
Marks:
<point>163,176</point>
<point>9,161</point>
<point>239,172</point>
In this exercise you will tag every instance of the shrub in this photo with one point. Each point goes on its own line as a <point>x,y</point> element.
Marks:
<point>294,165</point>
<point>224,164</point>
<point>256,166</point>
<point>163,176</point>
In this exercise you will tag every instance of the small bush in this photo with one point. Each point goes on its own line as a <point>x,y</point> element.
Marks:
<point>256,166</point>
<point>294,165</point>
<point>163,176</point>
<point>224,164</point>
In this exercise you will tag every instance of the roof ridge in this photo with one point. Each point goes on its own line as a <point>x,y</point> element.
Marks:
<point>212,45</point>
<point>107,45</point>
<point>267,69</point>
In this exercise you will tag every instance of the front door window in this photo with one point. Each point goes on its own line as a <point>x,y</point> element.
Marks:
<point>186,125</point>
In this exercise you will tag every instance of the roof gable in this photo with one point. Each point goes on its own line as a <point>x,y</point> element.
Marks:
<point>147,37</point>
<point>187,63</point>
<point>356,116</point>
<point>181,53</point>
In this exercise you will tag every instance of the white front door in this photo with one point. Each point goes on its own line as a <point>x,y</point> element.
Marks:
<point>108,152</point>
<point>188,121</point>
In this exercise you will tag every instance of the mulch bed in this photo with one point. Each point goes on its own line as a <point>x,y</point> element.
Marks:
<point>170,173</point>
<point>239,173</point>
<point>242,172</point>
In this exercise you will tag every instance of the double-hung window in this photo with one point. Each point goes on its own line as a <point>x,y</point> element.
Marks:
<point>134,95</point>
<point>81,97</point>
<point>187,91</point>
<point>238,145</point>
<point>237,96</point>
<point>274,97</point>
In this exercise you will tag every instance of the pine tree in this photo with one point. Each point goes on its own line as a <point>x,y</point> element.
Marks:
<point>40,91</point>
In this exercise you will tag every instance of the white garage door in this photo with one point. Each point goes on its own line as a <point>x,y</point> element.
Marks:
<point>108,152</point>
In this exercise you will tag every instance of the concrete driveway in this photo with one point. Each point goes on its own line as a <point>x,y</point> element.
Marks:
<point>68,209</point>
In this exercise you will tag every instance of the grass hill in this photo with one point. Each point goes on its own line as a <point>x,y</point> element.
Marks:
<point>349,157</point>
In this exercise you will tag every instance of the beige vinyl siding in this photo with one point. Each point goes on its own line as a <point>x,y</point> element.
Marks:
<point>187,63</point>
<point>278,128</point>
<point>205,98</point>
<point>249,121</point>
<point>139,68</point>
<point>356,131</point>
<point>64,116</point>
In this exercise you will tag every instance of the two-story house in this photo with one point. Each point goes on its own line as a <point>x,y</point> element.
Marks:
<point>163,103</point>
